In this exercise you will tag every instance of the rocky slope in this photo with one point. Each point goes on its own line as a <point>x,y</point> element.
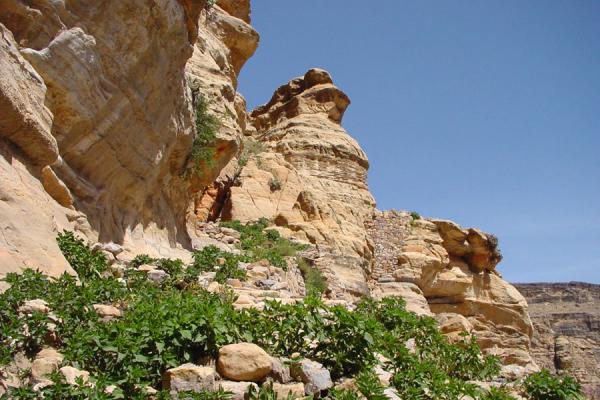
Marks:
<point>566,318</point>
<point>96,129</point>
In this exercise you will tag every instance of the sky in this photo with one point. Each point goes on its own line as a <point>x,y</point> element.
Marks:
<point>485,113</point>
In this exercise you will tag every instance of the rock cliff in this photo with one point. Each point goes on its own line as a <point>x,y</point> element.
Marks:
<point>97,125</point>
<point>566,318</point>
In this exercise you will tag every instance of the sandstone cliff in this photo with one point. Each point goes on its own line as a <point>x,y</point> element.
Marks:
<point>97,122</point>
<point>566,318</point>
<point>96,128</point>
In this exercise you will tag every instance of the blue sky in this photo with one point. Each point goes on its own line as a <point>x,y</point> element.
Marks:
<point>486,113</point>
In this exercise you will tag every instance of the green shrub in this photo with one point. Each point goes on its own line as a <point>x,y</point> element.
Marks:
<point>274,184</point>
<point>545,386</point>
<point>260,243</point>
<point>84,261</point>
<point>203,146</point>
<point>315,282</point>
<point>500,393</point>
<point>415,215</point>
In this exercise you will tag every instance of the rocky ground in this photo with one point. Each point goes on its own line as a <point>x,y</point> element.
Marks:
<point>566,319</point>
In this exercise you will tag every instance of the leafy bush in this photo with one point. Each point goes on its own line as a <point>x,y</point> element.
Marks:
<point>545,386</point>
<point>203,146</point>
<point>500,393</point>
<point>84,261</point>
<point>261,243</point>
<point>315,282</point>
<point>274,184</point>
<point>415,215</point>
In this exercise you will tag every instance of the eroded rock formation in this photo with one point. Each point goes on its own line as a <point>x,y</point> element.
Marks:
<point>309,177</point>
<point>96,118</point>
<point>441,268</point>
<point>566,319</point>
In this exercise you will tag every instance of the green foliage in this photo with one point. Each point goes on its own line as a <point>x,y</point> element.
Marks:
<point>274,184</point>
<point>415,215</point>
<point>203,146</point>
<point>165,325</point>
<point>265,392</point>
<point>500,393</point>
<point>84,261</point>
<point>545,386</point>
<point>314,281</point>
<point>260,243</point>
<point>207,259</point>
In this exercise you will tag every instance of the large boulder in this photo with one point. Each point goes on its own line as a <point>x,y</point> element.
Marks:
<point>243,362</point>
<point>314,376</point>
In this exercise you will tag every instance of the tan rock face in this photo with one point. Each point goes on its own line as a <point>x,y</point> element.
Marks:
<point>96,115</point>
<point>566,339</point>
<point>310,178</point>
<point>455,270</point>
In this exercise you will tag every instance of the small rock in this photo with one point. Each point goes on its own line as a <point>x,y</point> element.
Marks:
<point>279,371</point>
<point>293,390</point>
<point>391,394</point>
<point>45,363</point>
<point>231,232</point>
<point>280,286</point>
<point>239,389</point>
<point>157,275</point>
<point>243,362</point>
<point>147,268</point>
<point>315,377</point>
<point>244,299</point>
<point>221,261</point>
<point>266,283</point>
<point>236,283</point>
<point>72,374</point>
<point>214,287</point>
<point>31,306</point>
<point>411,345</point>
<point>189,377</point>
<point>383,375</point>
<point>106,311</point>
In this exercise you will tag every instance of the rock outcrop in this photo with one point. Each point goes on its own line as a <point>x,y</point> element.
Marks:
<point>96,120</point>
<point>566,320</point>
<point>309,176</point>
<point>450,270</point>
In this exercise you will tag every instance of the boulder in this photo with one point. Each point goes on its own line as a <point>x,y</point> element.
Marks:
<point>72,374</point>
<point>189,377</point>
<point>31,306</point>
<point>314,376</point>
<point>243,362</point>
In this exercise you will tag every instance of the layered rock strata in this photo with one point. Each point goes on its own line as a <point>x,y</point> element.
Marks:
<point>566,339</point>
<point>96,120</point>
<point>441,268</point>
<point>309,176</point>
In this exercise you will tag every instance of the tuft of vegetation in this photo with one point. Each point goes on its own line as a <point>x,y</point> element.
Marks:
<point>415,215</point>
<point>260,243</point>
<point>274,184</point>
<point>545,386</point>
<point>315,282</point>
<point>203,147</point>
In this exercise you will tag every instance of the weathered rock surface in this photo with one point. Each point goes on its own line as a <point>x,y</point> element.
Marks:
<point>96,115</point>
<point>189,377</point>
<point>310,178</point>
<point>454,268</point>
<point>243,362</point>
<point>566,320</point>
<point>314,376</point>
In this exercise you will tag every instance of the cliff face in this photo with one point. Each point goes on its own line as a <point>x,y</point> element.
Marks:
<point>309,177</point>
<point>566,318</point>
<point>96,118</point>
<point>96,128</point>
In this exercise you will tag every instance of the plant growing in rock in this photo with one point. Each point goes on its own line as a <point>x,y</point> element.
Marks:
<point>203,147</point>
<point>315,282</point>
<point>274,184</point>
<point>261,243</point>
